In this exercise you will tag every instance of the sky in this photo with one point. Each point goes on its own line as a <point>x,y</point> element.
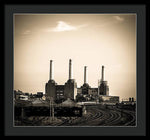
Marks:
<point>90,40</point>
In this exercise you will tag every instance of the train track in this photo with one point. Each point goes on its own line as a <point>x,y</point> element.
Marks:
<point>95,116</point>
<point>33,122</point>
<point>102,117</point>
<point>131,115</point>
<point>132,121</point>
<point>114,119</point>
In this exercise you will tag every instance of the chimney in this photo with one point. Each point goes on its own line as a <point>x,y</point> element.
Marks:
<point>51,69</point>
<point>85,74</point>
<point>102,73</point>
<point>70,69</point>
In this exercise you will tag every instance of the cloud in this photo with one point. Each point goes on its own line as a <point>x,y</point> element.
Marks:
<point>27,32</point>
<point>118,18</point>
<point>111,21</point>
<point>63,26</point>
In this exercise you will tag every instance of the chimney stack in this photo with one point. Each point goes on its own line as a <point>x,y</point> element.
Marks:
<point>51,69</point>
<point>70,69</point>
<point>85,74</point>
<point>102,73</point>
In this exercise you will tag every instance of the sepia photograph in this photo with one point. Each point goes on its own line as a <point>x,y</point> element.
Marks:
<point>76,70</point>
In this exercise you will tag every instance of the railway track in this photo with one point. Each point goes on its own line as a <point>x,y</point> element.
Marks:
<point>132,116</point>
<point>114,120</point>
<point>95,116</point>
<point>132,121</point>
<point>103,117</point>
<point>33,122</point>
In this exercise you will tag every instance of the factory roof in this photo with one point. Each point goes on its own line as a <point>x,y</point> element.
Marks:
<point>68,102</point>
<point>39,102</point>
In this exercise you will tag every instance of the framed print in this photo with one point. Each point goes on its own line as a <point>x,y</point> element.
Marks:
<point>75,70</point>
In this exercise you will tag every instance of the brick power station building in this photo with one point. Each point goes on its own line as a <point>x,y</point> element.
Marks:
<point>70,90</point>
<point>61,92</point>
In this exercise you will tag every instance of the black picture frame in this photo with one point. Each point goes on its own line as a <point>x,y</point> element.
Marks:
<point>139,130</point>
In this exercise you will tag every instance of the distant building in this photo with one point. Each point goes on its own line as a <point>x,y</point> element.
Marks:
<point>103,87</point>
<point>69,90</point>
<point>79,91</point>
<point>87,93</point>
<point>39,94</point>
<point>59,92</point>
<point>23,97</point>
<point>50,87</point>
<point>27,94</point>
<point>85,87</point>
<point>93,91</point>
<point>108,99</point>
<point>19,95</point>
<point>128,101</point>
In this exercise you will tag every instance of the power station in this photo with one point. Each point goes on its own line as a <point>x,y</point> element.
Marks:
<point>71,106</point>
<point>60,93</point>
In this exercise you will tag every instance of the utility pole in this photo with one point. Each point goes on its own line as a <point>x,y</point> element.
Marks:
<point>51,106</point>
<point>49,111</point>
<point>52,101</point>
<point>22,114</point>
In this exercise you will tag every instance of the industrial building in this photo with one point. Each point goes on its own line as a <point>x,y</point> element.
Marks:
<point>50,87</point>
<point>110,99</point>
<point>60,93</point>
<point>85,89</point>
<point>87,93</point>
<point>103,87</point>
